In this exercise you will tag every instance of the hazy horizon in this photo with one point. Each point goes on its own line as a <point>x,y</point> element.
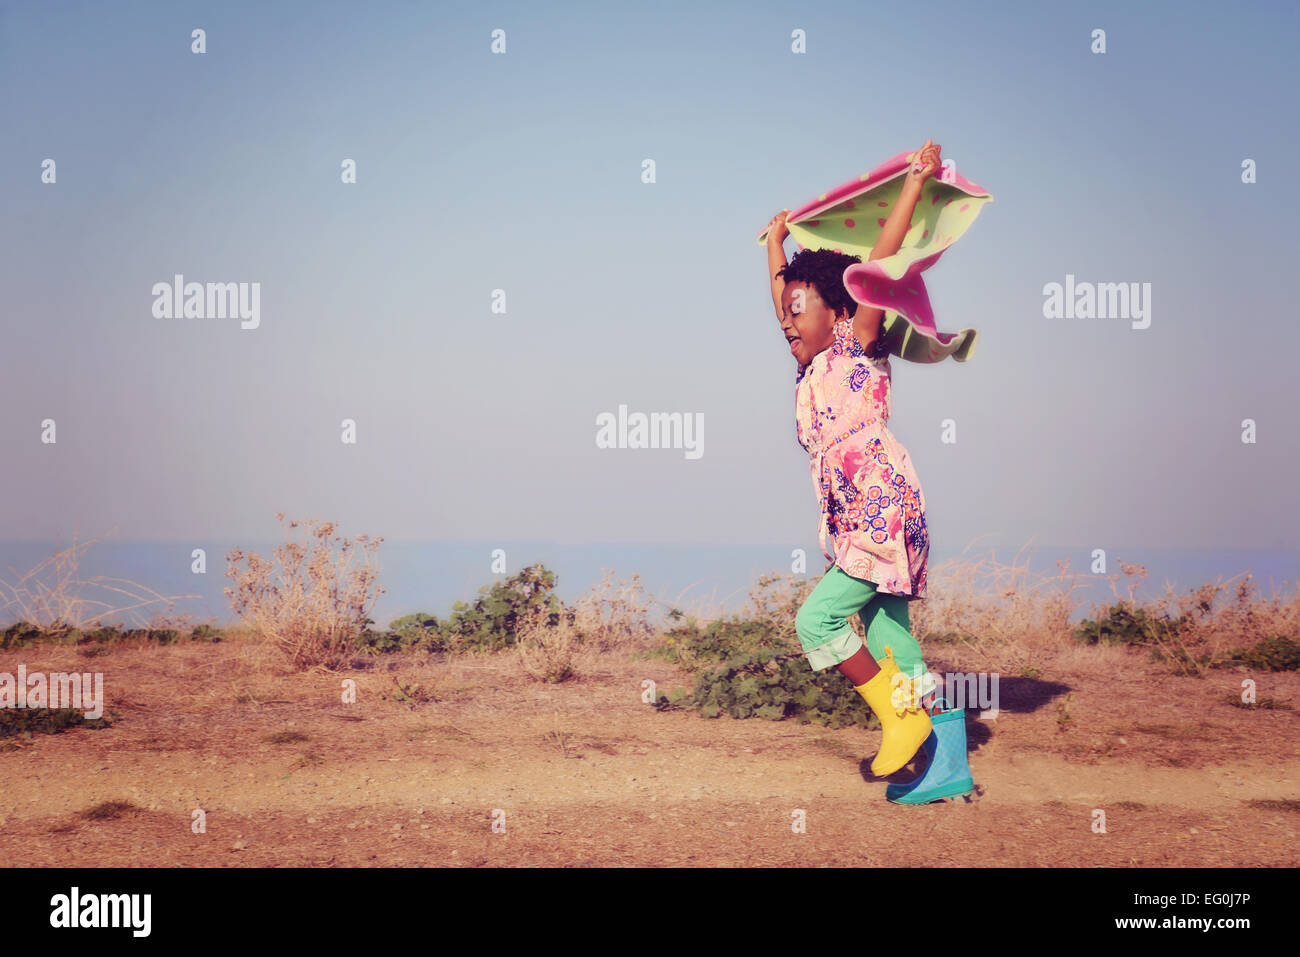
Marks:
<point>522,172</point>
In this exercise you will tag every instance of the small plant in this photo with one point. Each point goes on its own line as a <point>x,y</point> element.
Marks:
<point>307,759</point>
<point>109,811</point>
<point>1264,704</point>
<point>286,737</point>
<point>1063,718</point>
<point>207,633</point>
<point>412,695</point>
<point>560,739</point>
<point>20,634</point>
<point>29,721</point>
<point>314,601</point>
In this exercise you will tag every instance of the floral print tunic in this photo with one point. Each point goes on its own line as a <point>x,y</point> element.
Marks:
<point>872,505</point>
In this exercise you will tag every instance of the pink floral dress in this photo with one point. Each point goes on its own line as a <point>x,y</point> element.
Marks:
<point>872,505</point>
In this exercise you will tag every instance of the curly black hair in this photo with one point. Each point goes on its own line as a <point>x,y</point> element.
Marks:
<point>823,269</point>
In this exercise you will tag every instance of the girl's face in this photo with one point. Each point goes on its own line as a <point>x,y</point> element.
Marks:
<point>808,323</point>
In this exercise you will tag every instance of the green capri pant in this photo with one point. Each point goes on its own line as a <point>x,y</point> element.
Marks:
<point>827,637</point>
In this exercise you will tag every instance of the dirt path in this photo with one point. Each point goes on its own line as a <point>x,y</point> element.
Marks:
<point>584,773</point>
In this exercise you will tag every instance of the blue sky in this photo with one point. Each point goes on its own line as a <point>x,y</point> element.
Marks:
<point>522,172</point>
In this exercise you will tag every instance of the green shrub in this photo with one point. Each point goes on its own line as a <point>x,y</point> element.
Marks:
<point>23,633</point>
<point>747,668</point>
<point>1278,653</point>
<point>1126,625</point>
<point>20,635</point>
<point>692,648</point>
<point>15,721</point>
<point>418,632</point>
<point>109,810</point>
<point>773,683</point>
<point>489,623</point>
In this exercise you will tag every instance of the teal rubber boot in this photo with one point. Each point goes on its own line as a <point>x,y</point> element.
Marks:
<point>948,773</point>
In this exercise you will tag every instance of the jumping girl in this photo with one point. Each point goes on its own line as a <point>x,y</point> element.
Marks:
<point>873,509</point>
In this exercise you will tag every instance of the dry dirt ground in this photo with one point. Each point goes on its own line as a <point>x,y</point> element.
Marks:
<point>583,773</point>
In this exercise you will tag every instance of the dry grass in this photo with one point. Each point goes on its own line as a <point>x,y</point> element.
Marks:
<point>995,615</point>
<point>548,653</point>
<point>1007,616</point>
<point>590,778</point>
<point>54,597</point>
<point>776,598</point>
<point>308,607</point>
<point>614,616</point>
<point>1212,628</point>
<point>1017,621</point>
<point>313,602</point>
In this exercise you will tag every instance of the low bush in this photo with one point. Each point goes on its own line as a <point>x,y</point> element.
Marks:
<point>1126,624</point>
<point>773,683</point>
<point>312,601</point>
<point>24,634</point>
<point>1278,653</point>
<point>489,623</point>
<point>18,721</point>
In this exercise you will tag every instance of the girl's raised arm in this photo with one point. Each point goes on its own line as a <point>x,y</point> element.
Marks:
<point>776,233</point>
<point>867,319</point>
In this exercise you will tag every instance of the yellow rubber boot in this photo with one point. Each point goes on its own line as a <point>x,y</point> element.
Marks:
<point>904,723</point>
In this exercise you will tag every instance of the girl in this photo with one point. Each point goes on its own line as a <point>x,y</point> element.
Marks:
<point>872,505</point>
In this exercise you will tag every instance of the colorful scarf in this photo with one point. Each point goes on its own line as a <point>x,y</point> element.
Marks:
<point>849,219</point>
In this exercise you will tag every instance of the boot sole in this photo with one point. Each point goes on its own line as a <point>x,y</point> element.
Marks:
<point>958,788</point>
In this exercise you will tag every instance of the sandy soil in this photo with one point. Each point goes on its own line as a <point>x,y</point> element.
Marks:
<point>583,773</point>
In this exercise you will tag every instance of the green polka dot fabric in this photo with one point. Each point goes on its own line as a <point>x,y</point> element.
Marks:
<point>850,218</point>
